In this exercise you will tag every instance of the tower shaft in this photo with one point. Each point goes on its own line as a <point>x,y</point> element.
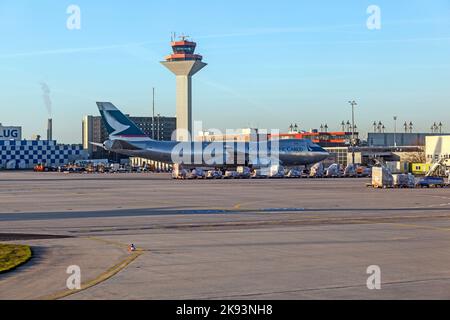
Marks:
<point>184,107</point>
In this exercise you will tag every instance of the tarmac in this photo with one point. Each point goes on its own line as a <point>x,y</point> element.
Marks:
<point>223,239</point>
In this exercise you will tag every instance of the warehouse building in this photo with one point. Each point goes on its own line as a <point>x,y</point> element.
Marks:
<point>16,153</point>
<point>25,154</point>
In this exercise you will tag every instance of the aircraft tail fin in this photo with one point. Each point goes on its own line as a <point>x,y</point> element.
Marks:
<point>117,124</point>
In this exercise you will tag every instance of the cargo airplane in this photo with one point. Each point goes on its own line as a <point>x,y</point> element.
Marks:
<point>127,139</point>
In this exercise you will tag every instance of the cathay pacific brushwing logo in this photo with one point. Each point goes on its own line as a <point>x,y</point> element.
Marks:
<point>113,123</point>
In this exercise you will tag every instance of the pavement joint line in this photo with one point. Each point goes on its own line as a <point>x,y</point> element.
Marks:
<point>109,273</point>
<point>420,226</point>
<point>388,284</point>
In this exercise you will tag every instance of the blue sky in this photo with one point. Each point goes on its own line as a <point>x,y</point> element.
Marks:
<point>270,63</point>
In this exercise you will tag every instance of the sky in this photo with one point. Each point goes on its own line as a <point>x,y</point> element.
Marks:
<point>270,63</point>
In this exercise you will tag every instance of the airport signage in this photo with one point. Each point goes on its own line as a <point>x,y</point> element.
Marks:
<point>10,133</point>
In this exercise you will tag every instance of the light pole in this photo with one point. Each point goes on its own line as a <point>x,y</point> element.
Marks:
<point>158,126</point>
<point>153,116</point>
<point>395,131</point>
<point>353,104</point>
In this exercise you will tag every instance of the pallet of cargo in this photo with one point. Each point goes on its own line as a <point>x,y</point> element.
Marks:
<point>382,178</point>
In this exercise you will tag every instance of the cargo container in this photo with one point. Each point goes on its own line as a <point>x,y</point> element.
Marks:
<point>362,171</point>
<point>397,166</point>
<point>214,174</point>
<point>178,172</point>
<point>230,174</point>
<point>316,170</point>
<point>350,170</point>
<point>243,172</point>
<point>333,171</point>
<point>276,171</point>
<point>381,178</point>
<point>403,180</point>
<point>196,173</point>
<point>294,173</point>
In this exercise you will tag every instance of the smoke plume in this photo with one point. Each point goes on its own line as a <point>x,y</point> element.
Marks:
<point>46,97</point>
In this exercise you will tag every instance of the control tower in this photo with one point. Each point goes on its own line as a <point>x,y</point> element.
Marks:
<point>184,63</point>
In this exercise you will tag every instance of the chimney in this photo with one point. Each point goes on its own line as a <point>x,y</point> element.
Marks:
<point>50,130</point>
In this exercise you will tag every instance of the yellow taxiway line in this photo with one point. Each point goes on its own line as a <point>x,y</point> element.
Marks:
<point>102,277</point>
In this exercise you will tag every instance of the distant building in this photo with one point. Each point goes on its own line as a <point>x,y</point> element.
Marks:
<point>25,154</point>
<point>338,155</point>
<point>366,155</point>
<point>238,135</point>
<point>10,133</point>
<point>375,139</point>
<point>324,139</point>
<point>93,130</point>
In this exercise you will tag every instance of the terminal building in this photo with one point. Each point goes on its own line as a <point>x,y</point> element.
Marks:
<point>337,143</point>
<point>324,139</point>
<point>405,139</point>
<point>388,146</point>
<point>16,153</point>
<point>237,135</point>
<point>93,130</point>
